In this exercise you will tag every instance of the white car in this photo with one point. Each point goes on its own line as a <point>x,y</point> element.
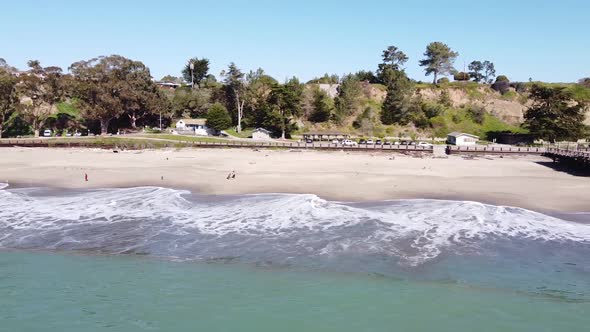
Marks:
<point>370,141</point>
<point>348,142</point>
<point>335,141</point>
<point>424,144</point>
<point>47,133</point>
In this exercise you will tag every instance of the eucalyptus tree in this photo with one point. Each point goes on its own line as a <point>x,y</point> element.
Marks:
<point>108,87</point>
<point>234,80</point>
<point>41,88</point>
<point>9,99</point>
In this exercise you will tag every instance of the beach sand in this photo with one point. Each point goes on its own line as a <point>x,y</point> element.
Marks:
<point>339,175</point>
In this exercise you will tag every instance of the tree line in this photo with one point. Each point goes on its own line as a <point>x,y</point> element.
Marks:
<point>107,93</point>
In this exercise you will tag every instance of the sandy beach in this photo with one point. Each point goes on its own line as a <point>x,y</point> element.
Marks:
<point>345,176</point>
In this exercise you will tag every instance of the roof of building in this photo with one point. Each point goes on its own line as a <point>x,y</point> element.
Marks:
<point>458,134</point>
<point>326,133</point>
<point>193,121</point>
<point>268,132</point>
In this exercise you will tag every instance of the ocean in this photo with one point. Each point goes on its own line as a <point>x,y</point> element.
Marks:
<point>160,259</point>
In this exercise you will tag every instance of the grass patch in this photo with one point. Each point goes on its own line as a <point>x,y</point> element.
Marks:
<point>68,108</point>
<point>460,120</point>
<point>245,133</point>
<point>191,139</point>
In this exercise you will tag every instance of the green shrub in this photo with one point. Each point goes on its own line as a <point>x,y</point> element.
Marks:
<point>461,76</point>
<point>476,113</point>
<point>502,78</point>
<point>509,95</point>
<point>443,80</point>
<point>445,98</point>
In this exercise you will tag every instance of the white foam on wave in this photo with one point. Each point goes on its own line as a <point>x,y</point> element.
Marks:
<point>428,225</point>
<point>3,185</point>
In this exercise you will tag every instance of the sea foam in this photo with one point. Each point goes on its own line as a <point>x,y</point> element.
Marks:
<point>175,223</point>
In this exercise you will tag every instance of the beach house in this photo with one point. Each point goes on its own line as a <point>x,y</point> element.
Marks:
<point>195,126</point>
<point>261,134</point>
<point>461,139</point>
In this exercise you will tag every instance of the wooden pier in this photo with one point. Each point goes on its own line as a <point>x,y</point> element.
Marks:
<point>579,158</point>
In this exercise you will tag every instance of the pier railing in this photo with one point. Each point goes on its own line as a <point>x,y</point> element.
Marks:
<point>451,149</point>
<point>139,144</point>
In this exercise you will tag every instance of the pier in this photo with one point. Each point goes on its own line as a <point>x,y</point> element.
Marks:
<point>579,158</point>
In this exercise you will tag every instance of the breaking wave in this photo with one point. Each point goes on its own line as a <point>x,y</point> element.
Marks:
<point>278,228</point>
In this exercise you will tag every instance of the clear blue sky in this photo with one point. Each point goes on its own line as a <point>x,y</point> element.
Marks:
<point>542,39</point>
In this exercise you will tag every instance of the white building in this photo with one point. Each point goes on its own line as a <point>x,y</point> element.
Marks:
<point>197,126</point>
<point>462,139</point>
<point>261,134</point>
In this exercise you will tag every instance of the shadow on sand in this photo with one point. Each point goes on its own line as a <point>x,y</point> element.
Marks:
<point>572,169</point>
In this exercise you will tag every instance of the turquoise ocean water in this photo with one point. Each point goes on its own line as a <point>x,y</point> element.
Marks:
<point>157,259</point>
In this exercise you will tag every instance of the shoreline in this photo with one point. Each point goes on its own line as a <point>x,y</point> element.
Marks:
<point>518,181</point>
<point>579,216</point>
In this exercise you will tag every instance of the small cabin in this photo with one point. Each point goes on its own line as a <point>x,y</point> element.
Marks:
<point>462,139</point>
<point>261,134</point>
<point>196,126</point>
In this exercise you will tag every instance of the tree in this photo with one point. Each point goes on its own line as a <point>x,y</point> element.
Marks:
<point>7,68</point>
<point>108,87</point>
<point>439,60</point>
<point>198,73</point>
<point>41,89</point>
<point>170,79</point>
<point>9,100</point>
<point>392,58</point>
<point>234,81</point>
<point>554,114</point>
<point>350,93</point>
<point>190,103</point>
<point>585,82</point>
<point>399,87</point>
<point>475,71</point>
<point>368,76</point>
<point>218,118</point>
<point>285,103</point>
<point>326,79</point>
<point>322,106</point>
<point>489,72</point>
<point>396,104</point>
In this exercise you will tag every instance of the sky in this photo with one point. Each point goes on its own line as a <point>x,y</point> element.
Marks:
<point>539,39</point>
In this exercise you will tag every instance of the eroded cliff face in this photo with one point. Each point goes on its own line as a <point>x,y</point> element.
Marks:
<point>508,108</point>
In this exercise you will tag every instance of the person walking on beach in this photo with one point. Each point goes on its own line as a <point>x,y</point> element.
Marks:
<point>86,177</point>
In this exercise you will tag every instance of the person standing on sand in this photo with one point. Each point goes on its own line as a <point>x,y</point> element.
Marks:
<point>86,177</point>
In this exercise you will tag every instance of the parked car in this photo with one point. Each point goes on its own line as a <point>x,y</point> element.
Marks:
<point>370,141</point>
<point>412,143</point>
<point>387,143</point>
<point>335,141</point>
<point>396,143</point>
<point>379,142</point>
<point>309,141</point>
<point>362,141</point>
<point>68,134</point>
<point>348,142</point>
<point>424,144</point>
<point>78,134</point>
<point>405,143</point>
<point>47,133</point>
